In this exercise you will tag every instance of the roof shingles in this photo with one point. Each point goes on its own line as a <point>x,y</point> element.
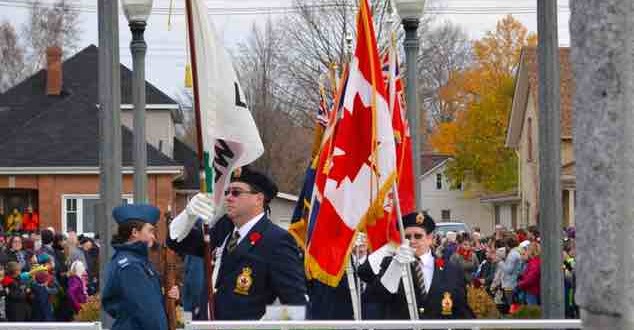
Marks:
<point>62,131</point>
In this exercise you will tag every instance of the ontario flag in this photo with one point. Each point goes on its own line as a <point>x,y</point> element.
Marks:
<point>385,229</point>
<point>361,167</point>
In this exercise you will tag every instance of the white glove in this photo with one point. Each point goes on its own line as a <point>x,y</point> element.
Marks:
<point>201,206</point>
<point>405,254</point>
<point>376,257</point>
<point>395,271</point>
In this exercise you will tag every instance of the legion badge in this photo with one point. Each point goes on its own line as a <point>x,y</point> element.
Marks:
<point>244,281</point>
<point>419,219</point>
<point>447,304</point>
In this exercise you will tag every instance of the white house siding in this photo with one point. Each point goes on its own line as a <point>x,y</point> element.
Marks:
<point>159,128</point>
<point>281,211</point>
<point>462,208</point>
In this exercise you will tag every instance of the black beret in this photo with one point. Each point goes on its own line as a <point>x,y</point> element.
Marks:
<point>139,212</point>
<point>419,219</point>
<point>258,182</point>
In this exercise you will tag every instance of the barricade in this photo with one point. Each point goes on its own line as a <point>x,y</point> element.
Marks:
<point>400,324</point>
<point>50,326</point>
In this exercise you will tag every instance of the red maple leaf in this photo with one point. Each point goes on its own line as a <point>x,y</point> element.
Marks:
<point>354,138</point>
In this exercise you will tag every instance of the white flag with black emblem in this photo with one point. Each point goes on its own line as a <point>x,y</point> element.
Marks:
<point>230,136</point>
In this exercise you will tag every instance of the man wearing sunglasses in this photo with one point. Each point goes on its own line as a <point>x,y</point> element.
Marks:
<point>439,287</point>
<point>256,261</point>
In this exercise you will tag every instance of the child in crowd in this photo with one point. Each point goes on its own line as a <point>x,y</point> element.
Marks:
<point>18,294</point>
<point>76,288</point>
<point>42,307</point>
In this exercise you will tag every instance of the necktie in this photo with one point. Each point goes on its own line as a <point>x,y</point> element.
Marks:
<point>233,241</point>
<point>420,276</point>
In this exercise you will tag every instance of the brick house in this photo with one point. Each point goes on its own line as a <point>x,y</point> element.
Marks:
<point>49,147</point>
<point>49,144</point>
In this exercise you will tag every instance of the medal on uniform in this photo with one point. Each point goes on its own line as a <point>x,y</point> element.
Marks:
<point>244,281</point>
<point>446,304</point>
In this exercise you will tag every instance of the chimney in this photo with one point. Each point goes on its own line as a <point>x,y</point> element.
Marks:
<point>54,70</point>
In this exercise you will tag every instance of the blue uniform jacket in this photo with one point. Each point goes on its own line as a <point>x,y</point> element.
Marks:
<point>265,265</point>
<point>132,294</point>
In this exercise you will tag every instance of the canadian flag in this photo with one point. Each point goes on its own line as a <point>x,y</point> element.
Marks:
<point>385,229</point>
<point>361,166</point>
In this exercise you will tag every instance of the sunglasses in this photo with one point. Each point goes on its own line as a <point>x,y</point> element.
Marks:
<point>416,236</point>
<point>238,192</point>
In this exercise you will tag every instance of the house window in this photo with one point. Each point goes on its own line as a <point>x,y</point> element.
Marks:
<point>529,132</point>
<point>78,213</point>
<point>445,215</point>
<point>497,214</point>
<point>71,214</point>
<point>438,181</point>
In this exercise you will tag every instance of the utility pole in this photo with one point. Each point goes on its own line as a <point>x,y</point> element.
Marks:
<point>550,212</point>
<point>109,133</point>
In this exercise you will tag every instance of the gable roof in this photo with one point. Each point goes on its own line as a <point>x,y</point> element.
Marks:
<point>37,130</point>
<point>431,161</point>
<point>527,80</point>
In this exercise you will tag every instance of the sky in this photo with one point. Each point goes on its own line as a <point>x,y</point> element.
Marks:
<point>165,61</point>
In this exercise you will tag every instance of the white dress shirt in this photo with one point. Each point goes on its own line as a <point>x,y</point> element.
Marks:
<point>244,229</point>
<point>427,262</point>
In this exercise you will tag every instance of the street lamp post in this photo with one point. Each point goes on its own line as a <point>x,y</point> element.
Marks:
<point>137,13</point>
<point>410,12</point>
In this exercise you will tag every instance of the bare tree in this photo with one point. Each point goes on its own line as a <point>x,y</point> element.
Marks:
<point>11,57</point>
<point>287,145</point>
<point>56,25</point>
<point>315,39</point>
<point>446,49</point>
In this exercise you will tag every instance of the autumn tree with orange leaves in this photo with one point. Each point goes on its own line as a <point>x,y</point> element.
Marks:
<point>484,93</point>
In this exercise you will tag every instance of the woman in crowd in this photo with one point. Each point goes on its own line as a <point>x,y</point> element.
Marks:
<point>17,254</point>
<point>529,280</point>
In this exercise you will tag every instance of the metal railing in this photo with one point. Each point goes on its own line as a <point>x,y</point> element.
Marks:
<point>50,326</point>
<point>432,324</point>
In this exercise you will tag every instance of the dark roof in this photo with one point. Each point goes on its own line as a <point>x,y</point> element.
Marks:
<point>430,161</point>
<point>186,156</point>
<point>37,130</point>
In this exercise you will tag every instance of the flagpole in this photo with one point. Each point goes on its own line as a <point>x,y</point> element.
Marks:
<point>408,283</point>
<point>201,161</point>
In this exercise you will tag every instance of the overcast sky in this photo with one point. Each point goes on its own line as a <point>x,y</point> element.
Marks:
<point>234,18</point>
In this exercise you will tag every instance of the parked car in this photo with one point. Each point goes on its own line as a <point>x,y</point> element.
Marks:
<point>443,227</point>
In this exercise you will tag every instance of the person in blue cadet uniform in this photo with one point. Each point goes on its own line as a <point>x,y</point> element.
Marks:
<point>439,285</point>
<point>256,262</point>
<point>132,293</point>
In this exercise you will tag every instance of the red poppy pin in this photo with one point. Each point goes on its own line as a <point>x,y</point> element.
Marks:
<point>254,237</point>
<point>440,263</point>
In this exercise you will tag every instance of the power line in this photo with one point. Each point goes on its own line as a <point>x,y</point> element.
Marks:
<point>217,11</point>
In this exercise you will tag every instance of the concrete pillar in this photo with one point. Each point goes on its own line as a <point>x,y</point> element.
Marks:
<point>602,57</point>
